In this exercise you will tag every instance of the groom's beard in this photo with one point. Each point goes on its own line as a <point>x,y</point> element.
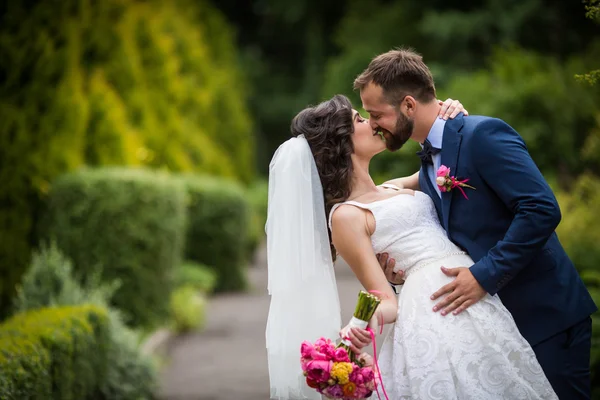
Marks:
<point>404,130</point>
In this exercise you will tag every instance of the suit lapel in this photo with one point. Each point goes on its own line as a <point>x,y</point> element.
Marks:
<point>450,151</point>
<point>427,187</point>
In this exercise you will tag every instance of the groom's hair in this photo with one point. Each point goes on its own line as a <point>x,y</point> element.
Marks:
<point>399,72</point>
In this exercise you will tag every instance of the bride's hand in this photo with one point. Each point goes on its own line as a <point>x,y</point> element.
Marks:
<point>359,338</point>
<point>451,108</point>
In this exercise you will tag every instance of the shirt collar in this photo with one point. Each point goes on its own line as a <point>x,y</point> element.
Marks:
<point>436,133</point>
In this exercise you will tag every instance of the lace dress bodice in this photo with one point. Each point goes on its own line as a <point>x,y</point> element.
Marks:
<point>408,229</point>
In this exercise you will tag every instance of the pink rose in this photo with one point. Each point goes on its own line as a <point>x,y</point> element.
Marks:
<point>329,351</point>
<point>367,374</point>
<point>357,377</point>
<point>306,349</point>
<point>443,171</point>
<point>318,370</point>
<point>341,355</point>
<point>303,363</point>
<point>320,355</point>
<point>322,342</point>
<point>323,350</point>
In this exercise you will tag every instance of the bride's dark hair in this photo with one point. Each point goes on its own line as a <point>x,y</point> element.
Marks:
<point>328,129</point>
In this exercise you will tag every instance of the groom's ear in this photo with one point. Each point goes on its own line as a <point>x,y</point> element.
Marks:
<point>408,105</point>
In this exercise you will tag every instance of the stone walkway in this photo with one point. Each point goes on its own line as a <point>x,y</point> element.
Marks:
<point>228,360</point>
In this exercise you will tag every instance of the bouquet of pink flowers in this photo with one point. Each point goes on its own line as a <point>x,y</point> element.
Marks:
<point>328,369</point>
<point>335,371</point>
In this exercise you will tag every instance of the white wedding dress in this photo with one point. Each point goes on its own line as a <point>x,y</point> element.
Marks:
<point>478,354</point>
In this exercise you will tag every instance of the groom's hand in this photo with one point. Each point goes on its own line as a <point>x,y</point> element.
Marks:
<point>387,265</point>
<point>463,292</point>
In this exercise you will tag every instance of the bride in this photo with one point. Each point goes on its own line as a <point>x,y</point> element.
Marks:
<point>320,178</point>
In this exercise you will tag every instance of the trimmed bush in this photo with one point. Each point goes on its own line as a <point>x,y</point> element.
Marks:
<point>128,222</point>
<point>54,353</point>
<point>217,233</point>
<point>198,276</point>
<point>130,374</point>
<point>49,281</point>
<point>187,309</point>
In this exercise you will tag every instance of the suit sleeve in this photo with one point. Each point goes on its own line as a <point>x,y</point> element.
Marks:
<point>502,160</point>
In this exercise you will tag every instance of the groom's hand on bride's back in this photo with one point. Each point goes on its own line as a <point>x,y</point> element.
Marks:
<point>387,265</point>
<point>461,293</point>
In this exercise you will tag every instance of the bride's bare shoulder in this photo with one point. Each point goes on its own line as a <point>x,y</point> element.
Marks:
<point>346,213</point>
<point>348,218</point>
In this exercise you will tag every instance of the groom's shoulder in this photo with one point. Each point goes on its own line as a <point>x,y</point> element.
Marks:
<point>481,122</point>
<point>484,128</point>
<point>479,132</point>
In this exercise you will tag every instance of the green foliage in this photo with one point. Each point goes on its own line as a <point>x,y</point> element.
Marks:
<point>357,50</point>
<point>49,282</point>
<point>592,9</point>
<point>130,375</point>
<point>54,353</point>
<point>592,12</point>
<point>580,235</point>
<point>198,276</point>
<point>591,78</point>
<point>578,230</point>
<point>218,217</point>
<point>539,98</point>
<point>187,309</point>
<point>131,224</point>
<point>258,196</point>
<point>113,82</point>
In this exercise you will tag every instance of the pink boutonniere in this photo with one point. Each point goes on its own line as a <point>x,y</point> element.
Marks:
<point>447,182</point>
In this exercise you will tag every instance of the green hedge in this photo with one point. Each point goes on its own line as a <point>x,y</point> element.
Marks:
<point>112,82</point>
<point>198,276</point>
<point>49,281</point>
<point>217,233</point>
<point>188,309</point>
<point>128,222</point>
<point>54,353</point>
<point>258,195</point>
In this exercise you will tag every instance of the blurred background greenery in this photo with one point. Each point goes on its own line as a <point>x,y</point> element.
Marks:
<point>135,139</point>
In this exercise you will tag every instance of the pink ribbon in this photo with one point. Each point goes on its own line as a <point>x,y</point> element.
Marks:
<point>377,292</point>
<point>377,366</point>
<point>457,184</point>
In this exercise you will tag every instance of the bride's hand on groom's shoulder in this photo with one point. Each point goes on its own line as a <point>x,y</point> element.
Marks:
<point>451,108</point>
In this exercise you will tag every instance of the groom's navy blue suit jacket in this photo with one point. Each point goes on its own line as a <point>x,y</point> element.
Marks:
<point>507,226</point>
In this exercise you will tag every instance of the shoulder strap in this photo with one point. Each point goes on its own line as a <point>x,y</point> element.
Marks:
<point>352,203</point>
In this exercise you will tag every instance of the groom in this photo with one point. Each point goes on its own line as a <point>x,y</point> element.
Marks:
<point>506,225</point>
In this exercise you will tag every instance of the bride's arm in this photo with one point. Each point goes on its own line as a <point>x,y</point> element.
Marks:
<point>352,239</point>
<point>407,182</point>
